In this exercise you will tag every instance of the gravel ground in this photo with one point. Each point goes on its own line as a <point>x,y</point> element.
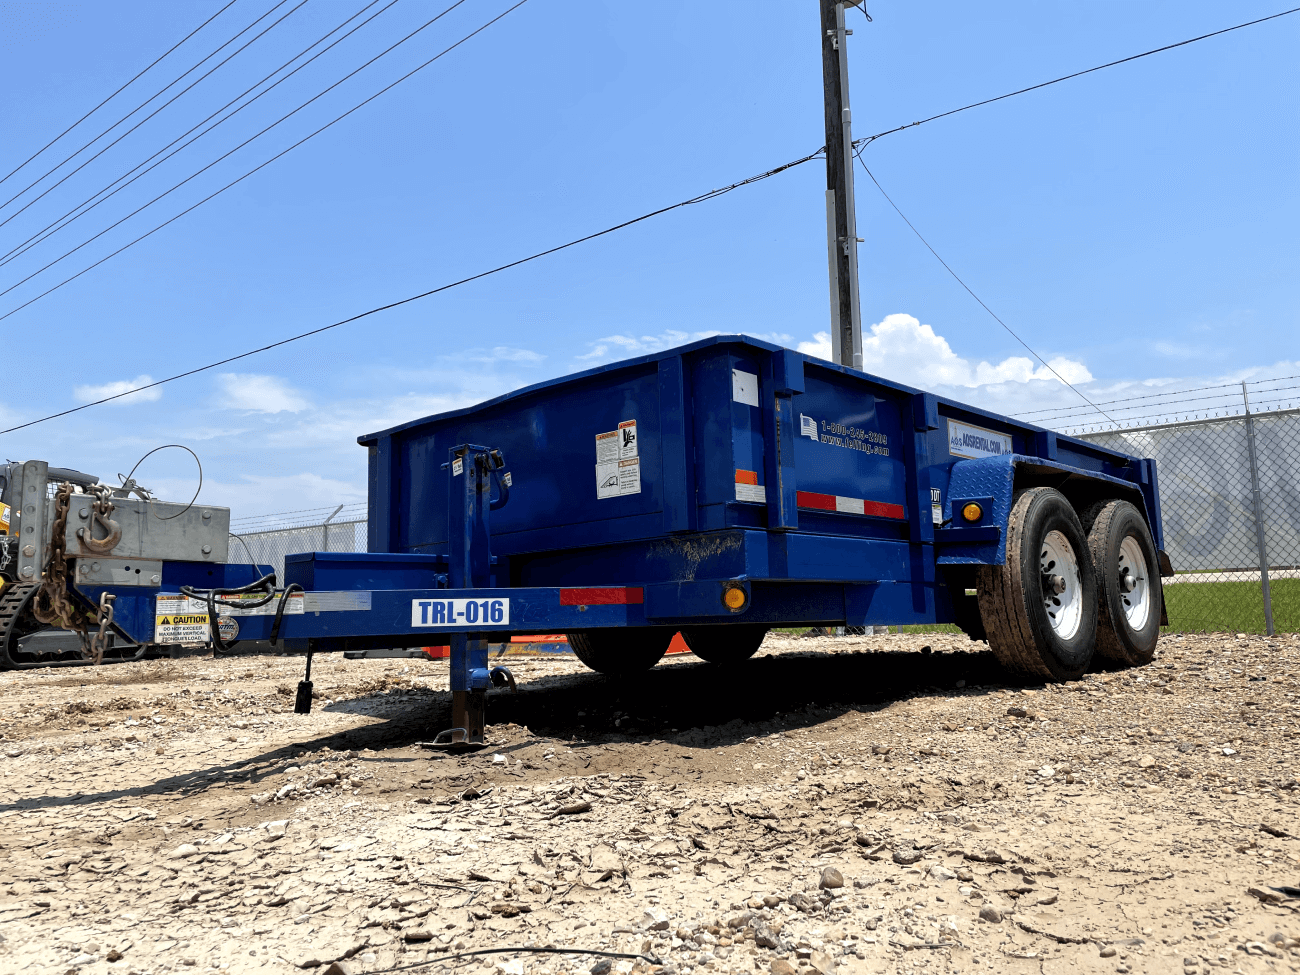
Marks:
<point>882,803</point>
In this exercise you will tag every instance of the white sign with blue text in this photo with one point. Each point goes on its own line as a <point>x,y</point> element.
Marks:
<point>460,612</point>
<point>965,440</point>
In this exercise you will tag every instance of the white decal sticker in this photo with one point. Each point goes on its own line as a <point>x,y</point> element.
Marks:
<point>936,506</point>
<point>457,467</point>
<point>974,442</point>
<point>627,440</point>
<point>507,480</point>
<point>744,387</point>
<point>170,604</point>
<point>228,627</point>
<point>751,492</point>
<point>618,478</point>
<point>460,612</point>
<point>808,427</point>
<point>607,445</point>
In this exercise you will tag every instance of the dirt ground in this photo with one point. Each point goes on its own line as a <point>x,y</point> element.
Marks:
<point>880,803</point>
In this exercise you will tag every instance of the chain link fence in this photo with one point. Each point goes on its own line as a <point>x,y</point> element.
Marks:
<point>1230,504</point>
<point>267,539</point>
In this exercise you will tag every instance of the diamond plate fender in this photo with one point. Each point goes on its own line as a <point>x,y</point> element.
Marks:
<point>994,477</point>
<point>987,477</point>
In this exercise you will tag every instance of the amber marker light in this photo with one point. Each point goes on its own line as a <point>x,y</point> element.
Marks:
<point>734,598</point>
<point>972,512</point>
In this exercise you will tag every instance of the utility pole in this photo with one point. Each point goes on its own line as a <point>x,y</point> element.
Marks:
<point>841,224</point>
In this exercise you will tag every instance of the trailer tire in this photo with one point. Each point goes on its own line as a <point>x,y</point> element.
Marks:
<point>1040,606</point>
<point>1124,555</point>
<point>616,652</point>
<point>726,643</point>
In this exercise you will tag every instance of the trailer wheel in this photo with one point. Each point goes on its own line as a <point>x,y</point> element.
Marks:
<point>727,643</point>
<point>1040,607</point>
<point>629,650</point>
<point>1128,583</point>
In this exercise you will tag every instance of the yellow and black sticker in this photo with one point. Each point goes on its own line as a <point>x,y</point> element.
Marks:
<point>188,628</point>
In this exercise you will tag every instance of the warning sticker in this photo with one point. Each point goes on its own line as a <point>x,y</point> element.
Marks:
<point>936,506</point>
<point>173,604</point>
<point>618,462</point>
<point>182,628</point>
<point>618,478</point>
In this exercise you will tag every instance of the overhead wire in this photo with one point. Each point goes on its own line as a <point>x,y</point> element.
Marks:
<point>119,91</point>
<point>1130,399</point>
<point>72,215</point>
<point>858,144</point>
<point>866,140</point>
<point>702,197</point>
<point>250,139</point>
<point>179,94</point>
<point>1068,413</point>
<point>956,277</point>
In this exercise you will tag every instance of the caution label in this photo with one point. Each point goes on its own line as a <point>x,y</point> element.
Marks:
<point>185,629</point>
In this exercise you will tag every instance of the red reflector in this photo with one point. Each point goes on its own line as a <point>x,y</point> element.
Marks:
<point>601,597</point>
<point>746,477</point>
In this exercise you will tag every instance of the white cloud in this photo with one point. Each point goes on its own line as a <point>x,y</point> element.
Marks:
<point>902,349</point>
<point>89,394</point>
<point>628,346</point>
<point>259,394</point>
<point>504,353</point>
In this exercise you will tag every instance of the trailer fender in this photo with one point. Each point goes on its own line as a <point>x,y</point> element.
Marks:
<point>991,482</point>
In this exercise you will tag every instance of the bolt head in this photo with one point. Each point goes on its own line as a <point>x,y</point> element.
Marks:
<point>29,551</point>
<point>27,572</point>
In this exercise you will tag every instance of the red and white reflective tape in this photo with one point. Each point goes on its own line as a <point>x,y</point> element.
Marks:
<point>849,506</point>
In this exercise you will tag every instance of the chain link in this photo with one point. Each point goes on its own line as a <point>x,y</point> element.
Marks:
<point>51,604</point>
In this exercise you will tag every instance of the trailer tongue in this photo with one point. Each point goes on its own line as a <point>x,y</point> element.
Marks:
<point>717,489</point>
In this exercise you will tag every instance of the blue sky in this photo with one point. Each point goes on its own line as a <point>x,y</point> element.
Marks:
<point>1136,226</point>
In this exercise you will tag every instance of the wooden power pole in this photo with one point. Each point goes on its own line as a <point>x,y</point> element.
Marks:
<point>841,224</point>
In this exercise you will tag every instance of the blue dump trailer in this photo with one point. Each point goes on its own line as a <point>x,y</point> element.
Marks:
<point>717,489</point>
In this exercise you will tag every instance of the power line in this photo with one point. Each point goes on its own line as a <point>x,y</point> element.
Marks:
<point>956,278</point>
<point>712,194</point>
<point>74,155</point>
<point>118,92</point>
<point>69,217</point>
<point>231,152</point>
<point>1077,74</point>
<point>216,67</point>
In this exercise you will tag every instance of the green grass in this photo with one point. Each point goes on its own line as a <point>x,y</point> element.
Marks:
<point>1232,607</point>
<point>1217,607</point>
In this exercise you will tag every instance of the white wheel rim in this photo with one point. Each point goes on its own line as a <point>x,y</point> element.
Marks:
<point>1137,602</point>
<point>1065,608</point>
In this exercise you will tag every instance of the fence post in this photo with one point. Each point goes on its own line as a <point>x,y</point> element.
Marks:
<point>325,539</point>
<point>1259,514</point>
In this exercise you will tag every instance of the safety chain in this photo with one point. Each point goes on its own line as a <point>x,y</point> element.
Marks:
<point>51,604</point>
<point>99,642</point>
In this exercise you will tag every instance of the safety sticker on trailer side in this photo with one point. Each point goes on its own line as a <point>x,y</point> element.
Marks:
<point>618,461</point>
<point>176,604</point>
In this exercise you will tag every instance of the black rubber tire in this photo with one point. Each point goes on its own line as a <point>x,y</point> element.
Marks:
<point>725,643</point>
<point>1011,596</point>
<point>1108,524</point>
<point>617,652</point>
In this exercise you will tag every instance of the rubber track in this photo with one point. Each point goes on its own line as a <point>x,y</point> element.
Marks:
<point>1097,524</point>
<point>11,603</point>
<point>1002,600</point>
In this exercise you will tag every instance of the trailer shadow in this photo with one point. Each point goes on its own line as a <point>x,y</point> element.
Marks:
<point>700,702</point>
<point>692,703</point>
